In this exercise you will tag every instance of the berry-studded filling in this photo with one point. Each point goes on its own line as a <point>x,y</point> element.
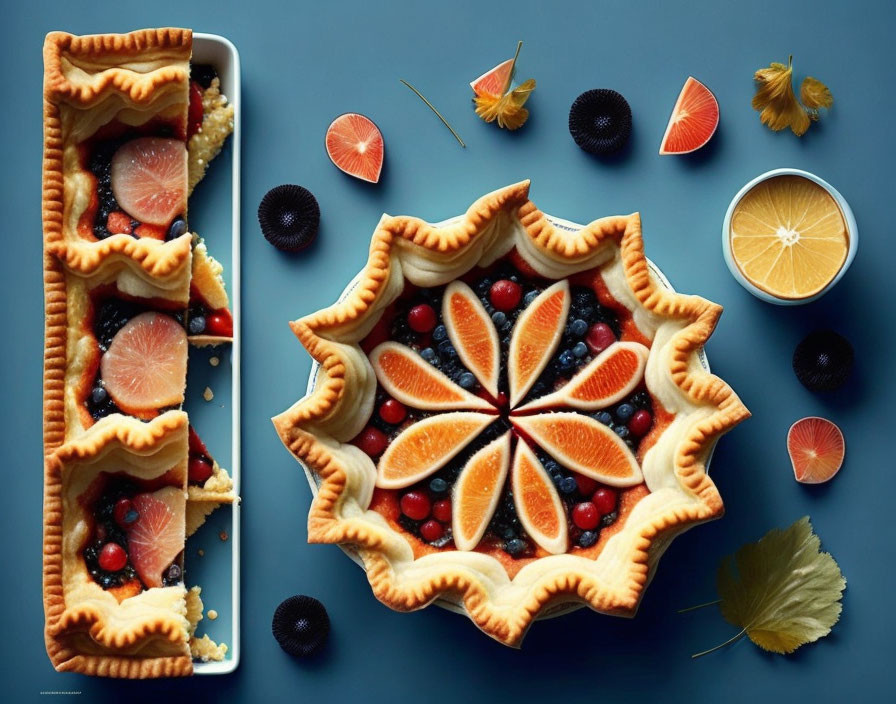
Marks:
<point>201,465</point>
<point>141,367</point>
<point>594,322</point>
<point>129,516</point>
<point>202,319</point>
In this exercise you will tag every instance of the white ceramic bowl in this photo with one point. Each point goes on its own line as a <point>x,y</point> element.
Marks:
<point>847,215</point>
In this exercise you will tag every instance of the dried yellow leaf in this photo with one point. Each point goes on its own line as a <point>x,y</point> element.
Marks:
<point>775,100</point>
<point>815,95</point>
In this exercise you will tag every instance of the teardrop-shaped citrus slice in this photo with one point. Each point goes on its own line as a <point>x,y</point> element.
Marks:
<point>535,338</point>
<point>584,445</point>
<point>477,492</point>
<point>538,504</point>
<point>605,380</point>
<point>415,382</point>
<point>427,446</point>
<point>473,334</point>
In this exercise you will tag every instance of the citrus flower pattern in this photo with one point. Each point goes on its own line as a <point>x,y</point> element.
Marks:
<point>557,422</point>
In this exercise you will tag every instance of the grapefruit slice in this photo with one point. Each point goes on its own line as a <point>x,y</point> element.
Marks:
<point>536,334</point>
<point>355,146</point>
<point>473,334</point>
<point>584,445</point>
<point>477,492</point>
<point>427,446</point>
<point>495,81</point>
<point>816,448</point>
<point>145,367</point>
<point>149,179</point>
<point>605,380</point>
<point>694,119</point>
<point>538,504</point>
<point>157,537</point>
<point>415,382</point>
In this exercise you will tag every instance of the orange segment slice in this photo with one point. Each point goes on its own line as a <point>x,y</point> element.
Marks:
<point>473,334</point>
<point>415,382</point>
<point>788,237</point>
<point>535,338</point>
<point>427,446</point>
<point>605,380</point>
<point>816,449</point>
<point>477,492</point>
<point>583,445</point>
<point>538,504</point>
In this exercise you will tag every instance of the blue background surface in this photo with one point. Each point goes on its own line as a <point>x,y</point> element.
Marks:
<point>305,63</point>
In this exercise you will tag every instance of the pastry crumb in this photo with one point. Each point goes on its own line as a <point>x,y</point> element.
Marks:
<point>201,552</point>
<point>214,361</point>
<point>223,535</point>
<point>212,614</point>
<point>208,394</point>
<point>206,650</point>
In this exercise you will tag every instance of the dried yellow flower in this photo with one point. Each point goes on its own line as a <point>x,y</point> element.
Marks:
<point>501,103</point>
<point>777,104</point>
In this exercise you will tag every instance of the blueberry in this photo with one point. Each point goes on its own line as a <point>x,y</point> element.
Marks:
<point>466,380</point>
<point>622,431</point>
<point>508,533</point>
<point>568,485</point>
<point>438,486</point>
<point>174,573</point>
<point>566,360</point>
<point>98,395</point>
<point>580,350</point>
<point>439,333</point>
<point>131,516</point>
<point>531,296</point>
<point>604,417</point>
<point>515,546</point>
<point>587,539</point>
<point>578,327</point>
<point>178,227</point>
<point>552,467</point>
<point>428,353</point>
<point>446,350</point>
<point>482,288</point>
<point>499,318</point>
<point>625,412</point>
<point>197,324</point>
<point>609,519</point>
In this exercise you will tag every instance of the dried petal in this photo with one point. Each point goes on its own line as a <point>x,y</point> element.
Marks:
<point>776,102</point>
<point>815,95</point>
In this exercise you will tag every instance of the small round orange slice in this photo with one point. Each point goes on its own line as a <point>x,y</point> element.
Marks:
<point>473,334</point>
<point>538,504</point>
<point>605,380</point>
<point>477,492</point>
<point>415,382</point>
<point>427,446</point>
<point>535,338</point>
<point>584,445</point>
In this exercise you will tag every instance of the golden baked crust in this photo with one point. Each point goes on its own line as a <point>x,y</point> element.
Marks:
<point>208,282</point>
<point>87,629</point>
<point>317,428</point>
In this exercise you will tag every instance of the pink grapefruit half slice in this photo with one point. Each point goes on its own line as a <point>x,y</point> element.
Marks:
<point>473,334</point>
<point>477,492</point>
<point>584,445</point>
<point>149,179</point>
<point>494,81</point>
<point>816,448</point>
<point>355,146</point>
<point>694,119</point>
<point>157,537</point>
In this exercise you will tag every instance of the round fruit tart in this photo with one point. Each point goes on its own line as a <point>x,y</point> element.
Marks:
<point>510,414</point>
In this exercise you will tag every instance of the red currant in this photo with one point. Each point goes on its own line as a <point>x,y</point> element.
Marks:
<point>393,412</point>
<point>415,505</point>
<point>586,485</point>
<point>113,557</point>
<point>605,500</point>
<point>372,441</point>
<point>441,510</point>
<point>199,470</point>
<point>431,531</point>
<point>219,324</point>
<point>195,112</point>
<point>124,513</point>
<point>585,515</point>
<point>599,337</point>
<point>505,295</point>
<point>422,318</point>
<point>640,423</point>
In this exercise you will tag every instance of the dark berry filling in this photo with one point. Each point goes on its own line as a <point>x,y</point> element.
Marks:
<point>200,464</point>
<point>204,320</point>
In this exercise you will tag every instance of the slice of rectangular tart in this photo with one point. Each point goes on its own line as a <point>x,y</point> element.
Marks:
<point>120,155</point>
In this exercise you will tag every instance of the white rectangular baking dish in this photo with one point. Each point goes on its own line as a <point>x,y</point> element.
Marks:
<point>217,569</point>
